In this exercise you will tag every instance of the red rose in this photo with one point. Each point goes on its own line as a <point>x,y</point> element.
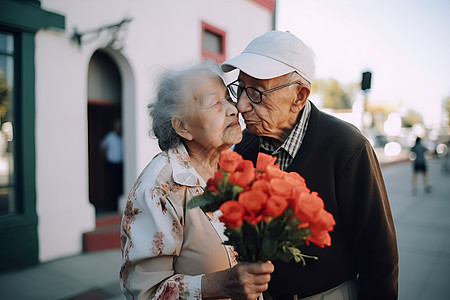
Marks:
<point>295,178</point>
<point>264,160</point>
<point>212,185</point>
<point>232,214</point>
<point>307,206</point>
<point>321,240</point>
<point>262,185</point>
<point>298,182</point>
<point>281,187</point>
<point>254,219</point>
<point>229,160</point>
<point>299,189</point>
<point>273,172</point>
<point>243,175</point>
<point>319,227</point>
<point>253,201</point>
<point>218,176</point>
<point>324,222</point>
<point>275,206</point>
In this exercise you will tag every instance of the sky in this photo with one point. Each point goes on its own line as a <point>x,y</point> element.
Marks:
<point>404,43</point>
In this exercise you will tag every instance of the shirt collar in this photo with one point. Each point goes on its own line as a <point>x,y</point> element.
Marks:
<point>182,168</point>
<point>294,140</point>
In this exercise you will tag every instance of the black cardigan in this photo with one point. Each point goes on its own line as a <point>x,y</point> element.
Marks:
<point>339,163</point>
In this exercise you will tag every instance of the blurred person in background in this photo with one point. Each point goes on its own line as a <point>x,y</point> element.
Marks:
<point>112,150</point>
<point>419,164</point>
<point>446,153</point>
<point>276,71</point>
<point>169,252</point>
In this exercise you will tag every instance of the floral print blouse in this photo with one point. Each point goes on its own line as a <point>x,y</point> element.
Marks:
<point>166,249</point>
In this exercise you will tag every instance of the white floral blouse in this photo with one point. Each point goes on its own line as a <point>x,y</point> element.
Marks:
<point>166,249</point>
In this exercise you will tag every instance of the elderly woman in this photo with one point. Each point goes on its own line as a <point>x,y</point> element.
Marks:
<point>170,252</point>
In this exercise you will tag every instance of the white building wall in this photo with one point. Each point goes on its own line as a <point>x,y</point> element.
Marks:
<point>62,203</point>
<point>161,34</point>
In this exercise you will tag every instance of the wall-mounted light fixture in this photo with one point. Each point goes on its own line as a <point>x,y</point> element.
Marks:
<point>113,31</point>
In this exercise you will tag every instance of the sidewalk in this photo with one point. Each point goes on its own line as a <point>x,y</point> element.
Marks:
<point>88,276</point>
<point>422,229</point>
<point>423,226</point>
<point>391,160</point>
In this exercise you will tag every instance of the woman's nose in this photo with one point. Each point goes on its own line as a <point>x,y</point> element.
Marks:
<point>231,109</point>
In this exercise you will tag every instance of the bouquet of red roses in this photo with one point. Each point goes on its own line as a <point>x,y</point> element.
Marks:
<point>268,213</point>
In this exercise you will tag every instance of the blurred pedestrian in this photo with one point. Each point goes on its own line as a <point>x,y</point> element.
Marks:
<point>446,153</point>
<point>418,152</point>
<point>111,149</point>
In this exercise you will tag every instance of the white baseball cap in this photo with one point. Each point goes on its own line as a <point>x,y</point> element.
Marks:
<point>273,54</point>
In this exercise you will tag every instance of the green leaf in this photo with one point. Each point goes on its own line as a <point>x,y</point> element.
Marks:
<point>269,247</point>
<point>200,200</point>
<point>235,191</point>
<point>296,254</point>
<point>209,201</point>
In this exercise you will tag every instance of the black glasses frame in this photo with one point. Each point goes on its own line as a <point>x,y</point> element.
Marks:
<point>234,88</point>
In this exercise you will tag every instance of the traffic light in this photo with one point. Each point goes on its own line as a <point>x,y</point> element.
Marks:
<point>366,78</point>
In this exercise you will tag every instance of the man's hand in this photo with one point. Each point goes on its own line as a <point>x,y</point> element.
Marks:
<point>243,281</point>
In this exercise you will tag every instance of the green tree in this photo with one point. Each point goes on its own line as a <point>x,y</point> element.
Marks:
<point>3,95</point>
<point>335,95</point>
<point>412,117</point>
<point>447,109</point>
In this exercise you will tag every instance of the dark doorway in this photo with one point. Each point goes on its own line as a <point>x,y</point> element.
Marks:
<point>101,119</point>
<point>104,108</point>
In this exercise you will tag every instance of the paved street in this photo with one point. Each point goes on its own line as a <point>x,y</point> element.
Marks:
<point>422,222</point>
<point>423,229</point>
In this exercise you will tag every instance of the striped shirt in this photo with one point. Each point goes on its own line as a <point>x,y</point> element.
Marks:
<point>286,152</point>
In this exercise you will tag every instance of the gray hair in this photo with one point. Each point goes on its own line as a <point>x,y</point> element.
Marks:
<point>172,93</point>
<point>297,77</point>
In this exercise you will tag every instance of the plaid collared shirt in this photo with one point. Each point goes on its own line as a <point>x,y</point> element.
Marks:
<point>286,152</point>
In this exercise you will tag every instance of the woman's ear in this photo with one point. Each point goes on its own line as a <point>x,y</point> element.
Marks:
<point>181,128</point>
<point>302,97</point>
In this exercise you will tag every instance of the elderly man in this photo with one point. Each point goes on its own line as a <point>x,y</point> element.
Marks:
<point>276,71</point>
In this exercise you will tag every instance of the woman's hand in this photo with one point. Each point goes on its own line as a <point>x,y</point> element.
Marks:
<point>243,281</point>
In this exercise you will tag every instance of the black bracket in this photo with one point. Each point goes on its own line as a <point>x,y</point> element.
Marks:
<point>112,30</point>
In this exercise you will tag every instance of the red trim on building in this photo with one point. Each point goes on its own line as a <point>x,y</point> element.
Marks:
<point>269,4</point>
<point>100,102</point>
<point>219,57</point>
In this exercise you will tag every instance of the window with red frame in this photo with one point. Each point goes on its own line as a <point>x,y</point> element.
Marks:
<point>213,43</point>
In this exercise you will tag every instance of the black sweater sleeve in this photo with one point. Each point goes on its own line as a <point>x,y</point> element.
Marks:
<point>366,217</point>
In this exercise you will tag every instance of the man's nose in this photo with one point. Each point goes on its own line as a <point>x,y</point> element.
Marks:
<point>244,103</point>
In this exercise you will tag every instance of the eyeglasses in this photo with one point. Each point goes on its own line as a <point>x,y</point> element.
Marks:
<point>253,94</point>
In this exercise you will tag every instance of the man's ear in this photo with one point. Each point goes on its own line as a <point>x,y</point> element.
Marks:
<point>181,128</point>
<point>302,97</point>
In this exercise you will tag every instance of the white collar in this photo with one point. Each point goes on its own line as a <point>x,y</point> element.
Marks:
<point>182,168</point>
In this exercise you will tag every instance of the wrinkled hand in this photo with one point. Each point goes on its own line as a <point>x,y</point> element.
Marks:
<point>248,280</point>
<point>243,281</point>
